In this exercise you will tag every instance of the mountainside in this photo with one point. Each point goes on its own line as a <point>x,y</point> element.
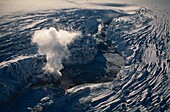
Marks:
<point>121,62</point>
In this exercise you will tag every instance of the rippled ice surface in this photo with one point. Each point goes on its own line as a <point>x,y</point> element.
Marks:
<point>142,38</point>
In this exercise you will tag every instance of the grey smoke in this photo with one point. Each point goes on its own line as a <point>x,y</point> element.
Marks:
<point>53,44</point>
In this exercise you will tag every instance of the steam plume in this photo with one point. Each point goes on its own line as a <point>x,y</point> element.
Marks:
<point>53,44</point>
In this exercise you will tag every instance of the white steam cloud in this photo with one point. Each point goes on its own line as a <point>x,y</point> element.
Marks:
<point>53,44</point>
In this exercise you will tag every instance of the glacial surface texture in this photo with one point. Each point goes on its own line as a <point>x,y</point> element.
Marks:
<point>121,63</point>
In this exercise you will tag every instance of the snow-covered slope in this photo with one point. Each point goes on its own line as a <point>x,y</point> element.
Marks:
<point>128,49</point>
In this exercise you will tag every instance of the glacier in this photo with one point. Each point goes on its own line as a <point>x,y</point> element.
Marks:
<point>121,62</point>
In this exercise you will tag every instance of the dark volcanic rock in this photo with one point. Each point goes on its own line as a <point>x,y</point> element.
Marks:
<point>103,68</point>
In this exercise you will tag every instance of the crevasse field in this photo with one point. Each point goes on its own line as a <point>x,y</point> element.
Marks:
<point>84,56</point>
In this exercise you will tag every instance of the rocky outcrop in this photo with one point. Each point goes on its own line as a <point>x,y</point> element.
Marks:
<point>14,74</point>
